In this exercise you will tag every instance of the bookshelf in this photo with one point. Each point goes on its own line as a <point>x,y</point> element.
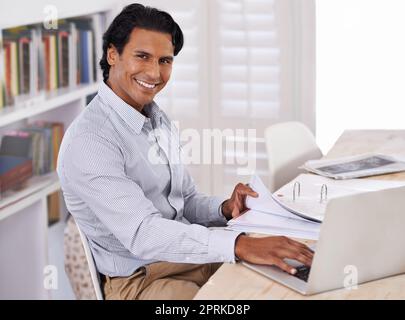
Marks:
<point>53,100</point>
<point>24,212</point>
<point>34,188</point>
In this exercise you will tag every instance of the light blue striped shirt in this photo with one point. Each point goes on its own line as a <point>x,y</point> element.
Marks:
<point>135,212</point>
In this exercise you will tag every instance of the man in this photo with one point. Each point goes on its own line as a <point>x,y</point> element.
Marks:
<point>145,222</point>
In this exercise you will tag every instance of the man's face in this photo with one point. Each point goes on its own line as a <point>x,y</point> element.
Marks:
<point>143,68</point>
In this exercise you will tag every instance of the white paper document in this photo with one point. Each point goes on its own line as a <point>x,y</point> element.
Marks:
<point>260,222</point>
<point>265,201</point>
<point>299,216</point>
<point>268,217</point>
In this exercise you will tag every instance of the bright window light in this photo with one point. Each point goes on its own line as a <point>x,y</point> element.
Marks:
<point>360,67</point>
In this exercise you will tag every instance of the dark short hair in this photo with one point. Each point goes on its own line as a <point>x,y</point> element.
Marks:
<point>137,15</point>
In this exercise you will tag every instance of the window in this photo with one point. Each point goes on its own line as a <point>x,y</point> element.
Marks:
<point>360,66</point>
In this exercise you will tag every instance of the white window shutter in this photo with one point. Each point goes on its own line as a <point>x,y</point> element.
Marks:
<point>263,65</point>
<point>249,54</point>
<point>248,65</point>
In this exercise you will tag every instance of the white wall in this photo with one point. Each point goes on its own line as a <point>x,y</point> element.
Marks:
<point>360,66</point>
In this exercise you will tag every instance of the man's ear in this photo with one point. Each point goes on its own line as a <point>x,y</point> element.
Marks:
<point>112,55</point>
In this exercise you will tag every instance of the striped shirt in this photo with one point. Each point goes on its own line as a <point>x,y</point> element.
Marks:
<point>135,211</point>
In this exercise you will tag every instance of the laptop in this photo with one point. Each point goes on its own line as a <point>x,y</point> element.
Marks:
<point>362,239</point>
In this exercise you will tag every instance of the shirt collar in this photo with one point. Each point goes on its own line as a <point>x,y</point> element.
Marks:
<point>130,115</point>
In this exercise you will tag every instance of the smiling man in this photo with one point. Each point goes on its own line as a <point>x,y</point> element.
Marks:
<point>145,222</point>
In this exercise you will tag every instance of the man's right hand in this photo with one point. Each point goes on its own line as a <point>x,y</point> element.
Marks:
<point>272,251</point>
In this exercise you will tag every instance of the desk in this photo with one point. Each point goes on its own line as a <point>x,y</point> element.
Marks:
<point>234,281</point>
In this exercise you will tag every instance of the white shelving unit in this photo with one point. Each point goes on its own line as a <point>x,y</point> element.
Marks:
<point>23,214</point>
<point>51,101</point>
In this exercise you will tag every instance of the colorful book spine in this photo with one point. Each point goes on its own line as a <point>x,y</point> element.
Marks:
<point>24,64</point>
<point>2,84</point>
<point>73,63</point>
<point>34,62</point>
<point>53,69</point>
<point>84,71</point>
<point>14,68</point>
<point>63,58</point>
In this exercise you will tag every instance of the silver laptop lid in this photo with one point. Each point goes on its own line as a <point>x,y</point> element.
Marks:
<point>362,239</point>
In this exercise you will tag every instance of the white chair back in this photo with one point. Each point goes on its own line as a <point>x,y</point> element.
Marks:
<point>95,276</point>
<point>289,145</point>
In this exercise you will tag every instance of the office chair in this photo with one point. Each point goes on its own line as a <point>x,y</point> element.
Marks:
<point>289,145</point>
<point>79,264</point>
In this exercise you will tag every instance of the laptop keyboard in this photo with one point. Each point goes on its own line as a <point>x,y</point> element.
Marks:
<point>302,273</point>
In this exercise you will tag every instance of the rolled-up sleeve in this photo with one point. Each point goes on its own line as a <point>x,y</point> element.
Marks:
<point>94,169</point>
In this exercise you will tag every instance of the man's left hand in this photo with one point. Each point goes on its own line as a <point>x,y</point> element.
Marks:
<point>236,206</point>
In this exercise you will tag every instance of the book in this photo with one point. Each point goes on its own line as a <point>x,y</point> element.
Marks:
<point>17,143</point>
<point>52,61</point>
<point>2,61</point>
<point>86,61</point>
<point>44,152</point>
<point>14,171</point>
<point>24,64</point>
<point>46,62</point>
<point>53,201</point>
<point>8,97</point>
<point>63,58</point>
<point>2,102</point>
<point>54,132</point>
<point>72,50</point>
<point>364,165</point>
<point>39,141</point>
<point>38,146</point>
<point>34,62</point>
<point>14,68</point>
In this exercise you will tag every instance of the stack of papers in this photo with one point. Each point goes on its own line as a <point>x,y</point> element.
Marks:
<point>355,167</point>
<point>268,217</point>
<point>298,216</point>
<point>267,223</point>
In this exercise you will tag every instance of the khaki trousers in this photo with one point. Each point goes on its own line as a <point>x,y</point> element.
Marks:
<point>160,281</point>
